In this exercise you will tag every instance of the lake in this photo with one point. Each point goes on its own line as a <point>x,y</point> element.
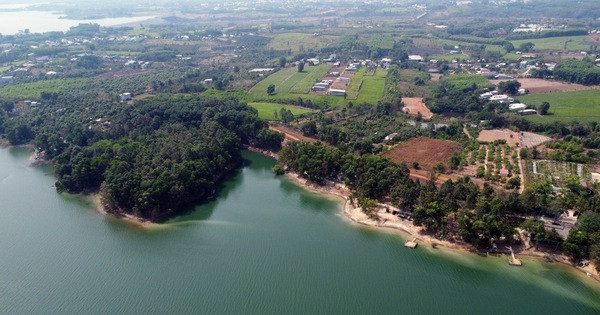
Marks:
<point>43,21</point>
<point>264,245</point>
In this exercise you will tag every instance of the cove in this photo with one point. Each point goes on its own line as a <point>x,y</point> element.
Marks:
<point>264,245</point>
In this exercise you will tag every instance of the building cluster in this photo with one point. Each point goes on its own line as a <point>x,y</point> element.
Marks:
<point>520,108</point>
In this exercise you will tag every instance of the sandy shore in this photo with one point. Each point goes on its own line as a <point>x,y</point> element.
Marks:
<point>385,220</point>
<point>97,201</point>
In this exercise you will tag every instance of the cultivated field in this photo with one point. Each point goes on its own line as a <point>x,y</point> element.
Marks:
<point>415,105</point>
<point>428,152</point>
<point>567,106</point>
<point>266,111</point>
<point>540,86</point>
<point>291,84</point>
<point>530,139</point>
<point>298,41</point>
<point>354,86</point>
<point>289,80</point>
<point>556,43</point>
<point>463,81</point>
<point>372,87</point>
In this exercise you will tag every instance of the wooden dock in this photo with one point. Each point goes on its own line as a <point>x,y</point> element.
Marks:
<point>513,260</point>
<point>411,244</point>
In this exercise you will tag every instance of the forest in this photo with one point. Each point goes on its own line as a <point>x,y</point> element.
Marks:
<point>162,154</point>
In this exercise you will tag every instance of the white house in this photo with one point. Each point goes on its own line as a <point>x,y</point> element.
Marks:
<point>517,107</point>
<point>502,99</point>
<point>126,97</point>
<point>415,58</point>
<point>528,112</point>
<point>7,80</point>
<point>336,92</point>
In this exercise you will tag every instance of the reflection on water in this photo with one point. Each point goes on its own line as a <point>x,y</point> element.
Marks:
<point>264,245</point>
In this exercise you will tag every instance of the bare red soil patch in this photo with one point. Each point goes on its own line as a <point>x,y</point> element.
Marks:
<point>511,137</point>
<point>415,105</point>
<point>426,151</point>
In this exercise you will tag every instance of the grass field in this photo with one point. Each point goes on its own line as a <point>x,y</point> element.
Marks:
<point>381,41</point>
<point>463,81</point>
<point>266,111</point>
<point>2,69</point>
<point>35,89</point>
<point>567,106</point>
<point>289,85</point>
<point>372,88</point>
<point>309,79</point>
<point>298,41</point>
<point>555,43</point>
<point>449,57</point>
<point>289,80</point>
<point>354,85</point>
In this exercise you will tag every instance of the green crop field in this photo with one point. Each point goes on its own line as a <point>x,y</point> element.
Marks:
<point>290,80</point>
<point>314,75</point>
<point>567,106</point>
<point>449,57</point>
<point>299,41</point>
<point>266,111</point>
<point>381,41</point>
<point>35,89</point>
<point>290,85</point>
<point>372,88</point>
<point>463,81</point>
<point>354,86</point>
<point>555,43</point>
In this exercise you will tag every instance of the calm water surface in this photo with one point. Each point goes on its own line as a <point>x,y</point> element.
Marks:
<point>11,22</point>
<point>264,245</point>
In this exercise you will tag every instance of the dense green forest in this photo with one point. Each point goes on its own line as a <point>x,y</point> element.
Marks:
<point>161,154</point>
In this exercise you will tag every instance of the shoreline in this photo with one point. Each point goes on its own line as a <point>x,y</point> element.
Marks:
<point>96,200</point>
<point>392,223</point>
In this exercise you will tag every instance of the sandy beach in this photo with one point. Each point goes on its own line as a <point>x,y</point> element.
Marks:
<point>382,219</point>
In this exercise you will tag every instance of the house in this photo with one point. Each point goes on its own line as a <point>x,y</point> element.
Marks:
<point>208,81</point>
<point>344,80</point>
<point>503,173</point>
<point>312,61</point>
<point>503,77</point>
<point>333,74</point>
<point>125,97</point>
<point>6,80</point>
<point>486,96</point>
<point>596,177</point>
<point>337,92</point>
<point>517,107</point>
<point>319,88</point>
<point>391,136</point>
<point>415,58</point>
<point>522,92</point>
<point>261,70</point>
<point>525,112</point>
<point>502,99</point>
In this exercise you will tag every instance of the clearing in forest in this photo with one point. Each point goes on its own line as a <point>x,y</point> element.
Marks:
<point>415,105</point>
<point>511,137</point>
<point>271,111</point>
<point>426,151</point>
